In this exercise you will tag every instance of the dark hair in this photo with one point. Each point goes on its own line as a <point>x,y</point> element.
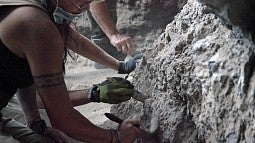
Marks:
<point>63,30</point>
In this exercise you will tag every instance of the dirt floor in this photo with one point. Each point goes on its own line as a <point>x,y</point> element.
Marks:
<point>81,74</point>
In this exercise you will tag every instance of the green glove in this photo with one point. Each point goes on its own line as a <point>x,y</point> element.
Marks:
<point>114,90</point>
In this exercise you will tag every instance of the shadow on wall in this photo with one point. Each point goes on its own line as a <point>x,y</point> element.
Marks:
<point>239,12</point>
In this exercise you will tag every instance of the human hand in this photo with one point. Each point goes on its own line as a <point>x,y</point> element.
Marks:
<point>114,90</point>
<point>130,65</point>
<point>55,134</point>
<point>123,43</point>
<point>128,132</point>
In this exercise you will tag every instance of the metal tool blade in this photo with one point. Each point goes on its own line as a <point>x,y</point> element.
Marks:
<point>115,118</point>
<point>139,96</point>
<point>147,137</point>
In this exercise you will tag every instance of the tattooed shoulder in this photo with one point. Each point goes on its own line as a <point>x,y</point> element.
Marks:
<point>49,80</point>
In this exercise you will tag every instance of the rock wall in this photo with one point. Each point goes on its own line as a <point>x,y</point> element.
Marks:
<point>145,20</point>
<point>200,75</point>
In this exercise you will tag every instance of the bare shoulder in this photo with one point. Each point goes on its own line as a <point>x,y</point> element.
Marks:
<point>26,21</point>
<point>29,32</point>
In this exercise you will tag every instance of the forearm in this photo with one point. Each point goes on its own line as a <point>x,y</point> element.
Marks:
<point>95,53</point>
<point>80,128</point>
<point>77,97</point>
<point>105,15</point>
<point>84,47</point>
<point>103,18</point>
<point>66,119</point>
<point>27,101</point>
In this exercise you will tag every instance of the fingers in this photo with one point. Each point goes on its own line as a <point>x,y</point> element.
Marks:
<point>118,99</point>
<point>130,47</point>
<point>128,132</point>
<point>127,45</point>
<point>137,56</point>
<point>123,43</point>
<point>120,86</point>
<point>123,91</point>
<point>120,95</point>
<point>134,124</point>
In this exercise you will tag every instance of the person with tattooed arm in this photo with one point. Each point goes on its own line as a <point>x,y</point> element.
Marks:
<point>35,36</point>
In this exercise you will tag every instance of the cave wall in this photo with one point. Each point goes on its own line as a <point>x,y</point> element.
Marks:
<point>199,75</point>
<point>145,20</point>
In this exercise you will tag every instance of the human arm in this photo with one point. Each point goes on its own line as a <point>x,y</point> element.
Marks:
<point>113,90</point>
<point>83,46</point>
<point>102,16</point>
<point>27,101</point>
<point>42,46</point>
<point>77,97</point>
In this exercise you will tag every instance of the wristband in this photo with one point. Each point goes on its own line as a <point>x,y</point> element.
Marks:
<point>116,134</point>
<point>38,126</point>
<point>93,94</point>
<point>111,135</point>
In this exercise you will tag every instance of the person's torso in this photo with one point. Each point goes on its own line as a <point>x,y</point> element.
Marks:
<point>14,71</point>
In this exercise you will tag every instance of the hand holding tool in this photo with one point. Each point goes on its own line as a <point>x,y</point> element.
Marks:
<point>128,66</point>
<point>136,94</point>
<point>115,90</point>
<point>151,136</point>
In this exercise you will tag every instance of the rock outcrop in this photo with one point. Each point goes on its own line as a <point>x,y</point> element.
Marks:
<point>200,75</point>
<point>145,20</point>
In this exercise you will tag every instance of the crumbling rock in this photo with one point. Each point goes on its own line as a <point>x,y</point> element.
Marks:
<point>200,77</point>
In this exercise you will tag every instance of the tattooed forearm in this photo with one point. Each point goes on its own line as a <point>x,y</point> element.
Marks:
<point>49,80</point>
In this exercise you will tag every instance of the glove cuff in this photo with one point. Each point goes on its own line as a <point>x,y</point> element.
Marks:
<point>121,69</point>
<point>93,94</point>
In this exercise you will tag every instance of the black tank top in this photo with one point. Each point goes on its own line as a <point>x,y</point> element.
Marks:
<point>14,71</point>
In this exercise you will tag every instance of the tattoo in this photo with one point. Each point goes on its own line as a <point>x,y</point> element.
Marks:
<point>49,80</point>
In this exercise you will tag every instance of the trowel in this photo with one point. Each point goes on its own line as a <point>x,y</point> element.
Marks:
<point>146,136</point>
<point>139,96</point>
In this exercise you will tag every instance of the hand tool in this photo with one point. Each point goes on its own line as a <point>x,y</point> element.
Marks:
<point>139,96</point>
<point>151,136</point>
